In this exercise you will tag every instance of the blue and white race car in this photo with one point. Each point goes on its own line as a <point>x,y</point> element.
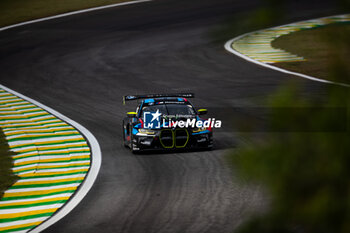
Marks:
<point>165,122</point>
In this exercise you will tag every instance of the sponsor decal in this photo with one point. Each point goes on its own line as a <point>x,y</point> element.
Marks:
<point>192,123</point>
<point>153,120</point>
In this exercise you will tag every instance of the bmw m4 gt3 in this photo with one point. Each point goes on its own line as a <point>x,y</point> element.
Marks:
<point>166,122</point>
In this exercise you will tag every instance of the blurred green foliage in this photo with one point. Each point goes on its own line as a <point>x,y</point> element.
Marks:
<point>306,173</point>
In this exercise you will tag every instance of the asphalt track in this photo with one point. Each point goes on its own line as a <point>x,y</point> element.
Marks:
<point>81,66</point>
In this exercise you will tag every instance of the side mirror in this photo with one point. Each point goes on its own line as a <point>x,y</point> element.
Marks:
<point>202,111</point>
<point>131,114</point>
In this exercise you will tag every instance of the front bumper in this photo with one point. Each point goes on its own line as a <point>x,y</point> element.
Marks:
<point>173,139</point>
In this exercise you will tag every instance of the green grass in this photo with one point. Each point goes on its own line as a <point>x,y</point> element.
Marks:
<point>7,178</point>
<point>324,49</point>
<point>16,11</point>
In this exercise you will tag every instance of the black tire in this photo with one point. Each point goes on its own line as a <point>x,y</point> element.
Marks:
<point>131,147</point>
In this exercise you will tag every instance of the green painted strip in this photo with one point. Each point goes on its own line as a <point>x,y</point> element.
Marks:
<point>83,147</point>
<point>18,107</point>
<point>23,114</point>
<point>21,111</point>
<point>52,151</point>
<point>60,161</point>
<point>49,176</point>
<point>26,170</point>
<point>27,117</point>
<point>9,95</point>
<point>15,206</point>
<point>38,124</point>
<point>35,196</point>
<point>51,154</point>
<point>22,103</point>
<point>4,220</point>
<point>41,137</point>
<point>10,101</point>
<point>34,149</point>
<point>8,98</point>
<point>52,126</point>
<point>24,109</point>
<point>26,120</point>
<point>32,118</point>
<point>27,132</point>
<point>69,147</point>
<point>27,144</point>
<point>71,140</point>
<point>44,185</point>
<point>42,157</point>
<point>19,229</point>
<point>61,167</point>
<point>15,97</point>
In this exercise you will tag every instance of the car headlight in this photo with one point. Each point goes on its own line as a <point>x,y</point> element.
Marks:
<point>147,131</point>
<point>196,130</point>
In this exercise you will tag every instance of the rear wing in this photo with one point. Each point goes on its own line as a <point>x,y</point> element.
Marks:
<point>136,97</point>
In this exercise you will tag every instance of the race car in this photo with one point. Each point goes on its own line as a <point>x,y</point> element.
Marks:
<point>165,122</point>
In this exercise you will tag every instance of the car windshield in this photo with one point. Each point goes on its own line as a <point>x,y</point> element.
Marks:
<point>154,108</point>
<point>180,109</point>
<point>170,109</point>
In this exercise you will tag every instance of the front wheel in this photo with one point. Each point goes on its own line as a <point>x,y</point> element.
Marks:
<point>124,143</point>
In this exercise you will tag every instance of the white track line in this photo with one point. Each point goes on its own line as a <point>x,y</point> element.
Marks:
<point>229,48</point>
<point>73,13</point>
